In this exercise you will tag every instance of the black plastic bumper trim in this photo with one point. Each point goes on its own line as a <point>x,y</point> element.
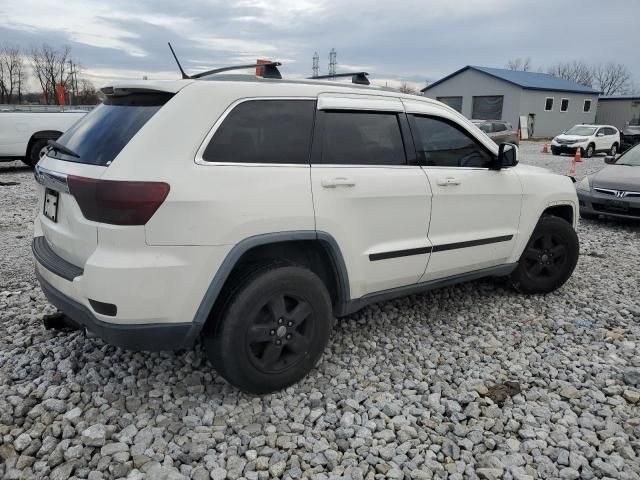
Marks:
<point>52,261</point>
<point>153,336</point>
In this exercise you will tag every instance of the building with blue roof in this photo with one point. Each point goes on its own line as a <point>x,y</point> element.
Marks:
<point>545,104</point>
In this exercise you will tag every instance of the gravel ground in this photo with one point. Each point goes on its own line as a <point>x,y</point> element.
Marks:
<point>406,389</point>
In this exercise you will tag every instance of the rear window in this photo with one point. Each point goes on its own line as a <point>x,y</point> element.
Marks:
<point>99,136</point>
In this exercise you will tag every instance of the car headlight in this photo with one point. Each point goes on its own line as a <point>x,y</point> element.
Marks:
<point>583,185</point>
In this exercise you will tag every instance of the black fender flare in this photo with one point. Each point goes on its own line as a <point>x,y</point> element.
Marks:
<point>234,255</point>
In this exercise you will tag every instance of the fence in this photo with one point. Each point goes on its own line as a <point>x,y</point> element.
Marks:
<point>44,108</point>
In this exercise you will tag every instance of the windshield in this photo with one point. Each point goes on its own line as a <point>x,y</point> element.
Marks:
<point>100,135</point>
<point>630,158</point>
<point>581,130</point>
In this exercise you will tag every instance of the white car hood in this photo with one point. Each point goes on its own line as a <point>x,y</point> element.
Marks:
<point>531,169</point>
<point>570,137</point>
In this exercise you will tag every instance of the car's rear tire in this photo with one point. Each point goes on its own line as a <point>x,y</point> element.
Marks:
<point>549,258</point>
<point>275,325</point>
<point>36,152</point>
<point>613,150</point>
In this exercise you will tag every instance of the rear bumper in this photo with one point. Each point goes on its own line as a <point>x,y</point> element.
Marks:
<point>134,337</point>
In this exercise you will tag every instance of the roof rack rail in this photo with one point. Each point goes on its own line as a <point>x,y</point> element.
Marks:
<point>269,70</point>
<point>359,78</point>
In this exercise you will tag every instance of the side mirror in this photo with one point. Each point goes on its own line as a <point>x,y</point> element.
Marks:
<point>507,155</point>
<point>610,160</point>
<point>600,134</point>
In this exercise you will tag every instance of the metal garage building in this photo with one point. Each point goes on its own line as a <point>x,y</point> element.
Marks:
<point>549,104</point>
<point>618,110</point>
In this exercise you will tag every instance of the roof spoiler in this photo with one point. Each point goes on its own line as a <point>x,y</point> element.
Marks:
<point>269,70</point>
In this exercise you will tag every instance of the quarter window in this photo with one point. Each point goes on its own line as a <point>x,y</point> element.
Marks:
<point>264,131</point>
<point>564,105</point>
<point>362,138</point>
<point>499,127</point>
<point>587,106</point>
<point>441,143</point>
<point>548,104</point>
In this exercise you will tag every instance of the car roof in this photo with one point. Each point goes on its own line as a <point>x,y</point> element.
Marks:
<point>314,86</point>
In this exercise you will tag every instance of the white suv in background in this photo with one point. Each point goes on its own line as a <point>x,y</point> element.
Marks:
<point>251,211</point>
<point>589,139</point>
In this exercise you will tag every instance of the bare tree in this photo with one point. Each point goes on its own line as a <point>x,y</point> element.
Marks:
<point>87,93</point>
<point>12,73</point>
<point>406,88</point>
<point>575,71</point>
<point>520,64</point>
<point>51,67</point>
<point>612,78</point>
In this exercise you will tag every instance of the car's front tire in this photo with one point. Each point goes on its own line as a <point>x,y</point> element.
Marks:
<point>614,150</point>
<point>549,258</point>
<point>589,151</point>
<point>275,325</point>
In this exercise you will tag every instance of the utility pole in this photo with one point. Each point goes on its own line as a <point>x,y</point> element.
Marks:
<point>332,62</point>
<point>73,75</point>
<point>315,69</point>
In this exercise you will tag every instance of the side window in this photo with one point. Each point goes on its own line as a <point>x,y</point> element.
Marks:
<point>611,131</point>
<point>362,138</point>
<point>441,143</point>
<point>548,104</point>
<point>564,105</point>
<point>499,127</point>
<point>485,127</point>
<point>264,131</point>
<point>601,132</point>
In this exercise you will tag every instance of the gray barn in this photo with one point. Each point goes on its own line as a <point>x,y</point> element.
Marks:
<point>550,104</point>
<point>618,110</point>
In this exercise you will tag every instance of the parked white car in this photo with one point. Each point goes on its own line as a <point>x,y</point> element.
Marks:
<point>252,211</point>
<point>24,134</point>
<point>590,139</point>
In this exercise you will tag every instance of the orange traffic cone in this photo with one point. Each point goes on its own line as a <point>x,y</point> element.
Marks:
<point>578,156</point>
<point>545,149</point>
<point>572,170</point>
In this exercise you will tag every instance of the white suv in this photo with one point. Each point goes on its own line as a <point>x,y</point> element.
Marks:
<point>251,211</point>
<point>589,139</point>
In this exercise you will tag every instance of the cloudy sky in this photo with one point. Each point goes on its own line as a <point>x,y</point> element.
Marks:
<point>407,40</point>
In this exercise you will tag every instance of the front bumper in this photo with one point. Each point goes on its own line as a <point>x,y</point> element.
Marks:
<point>595,203</point>
<point>571,148</point>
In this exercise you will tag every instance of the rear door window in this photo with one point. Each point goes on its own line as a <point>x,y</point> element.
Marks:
<point>264,131</point>
<point>362,138</point>
<point>101,135</point>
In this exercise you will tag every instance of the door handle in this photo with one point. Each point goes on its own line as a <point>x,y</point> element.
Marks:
<point>445,182</point>
<point>337,182</point>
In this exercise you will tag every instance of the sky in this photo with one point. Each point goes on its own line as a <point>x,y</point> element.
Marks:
<point>400,41</point>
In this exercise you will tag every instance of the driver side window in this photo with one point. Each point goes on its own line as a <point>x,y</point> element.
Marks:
<point>441,143</point>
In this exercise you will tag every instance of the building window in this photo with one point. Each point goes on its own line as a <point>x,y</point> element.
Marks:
<point>487,108</point>
<point>548,104</point>
<point>564,105</point>
<point>453,102</point>
<point>587,106</point>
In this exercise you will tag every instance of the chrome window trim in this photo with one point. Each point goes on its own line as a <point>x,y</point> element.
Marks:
<point>54,180</point>
<point>199,159</point>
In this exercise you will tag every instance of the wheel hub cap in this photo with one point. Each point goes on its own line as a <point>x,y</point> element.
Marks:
<point>282,331</point>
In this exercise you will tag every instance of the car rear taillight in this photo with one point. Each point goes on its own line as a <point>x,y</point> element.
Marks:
<point>117,202</point>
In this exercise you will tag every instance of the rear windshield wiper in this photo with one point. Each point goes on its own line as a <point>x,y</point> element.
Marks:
<point>61,148</point>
